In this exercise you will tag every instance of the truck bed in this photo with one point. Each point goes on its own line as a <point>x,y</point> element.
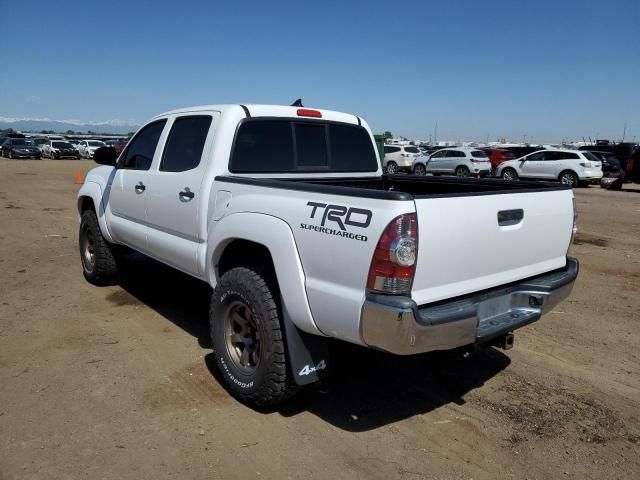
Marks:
<point>400,187</point>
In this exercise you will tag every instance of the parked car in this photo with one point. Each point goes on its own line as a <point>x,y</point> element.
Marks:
<point>611,166</point>
<point>119,147</point>
<point>57,149</point>
<point>497,156</point>
<point>40,141</point>
<point>88,147</point>
<point>20,148</point>
<point>399,158</point>
<point>570,167</point>
<point>633,167</point>
<point>402,264</point>
<point>459,161</point>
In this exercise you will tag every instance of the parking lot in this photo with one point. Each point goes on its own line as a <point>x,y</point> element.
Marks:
<point>117,382</point>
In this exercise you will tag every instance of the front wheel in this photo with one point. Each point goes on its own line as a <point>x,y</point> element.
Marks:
<point>392,168</point>
<point>569,178</point>
<point>462,171</point>
<point>420,169</point>
<point>248,339</point>
<point>98,257</point>
<point>509,174</point>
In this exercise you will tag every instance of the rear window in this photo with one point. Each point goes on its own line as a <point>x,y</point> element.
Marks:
<point>281,146</point>
<point>411,149</point>
<point>589,156</point>
<point>479,154</point>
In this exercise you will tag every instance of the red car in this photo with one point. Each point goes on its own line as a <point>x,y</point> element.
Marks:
<point>497,156</point>
<point>119,146</point>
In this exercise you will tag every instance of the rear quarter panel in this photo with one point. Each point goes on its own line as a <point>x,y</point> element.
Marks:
<point>334,254</point>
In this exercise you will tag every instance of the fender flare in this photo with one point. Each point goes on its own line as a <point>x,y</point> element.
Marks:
<point>93,191</point>
<point>276,235</point>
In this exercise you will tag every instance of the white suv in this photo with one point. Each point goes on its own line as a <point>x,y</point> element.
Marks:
<point>571,167</point>
<point>88,147</point>
<point>399,157</point>
<point>461,161</point>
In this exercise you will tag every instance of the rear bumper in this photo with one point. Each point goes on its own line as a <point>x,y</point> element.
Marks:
<point>398,325</point>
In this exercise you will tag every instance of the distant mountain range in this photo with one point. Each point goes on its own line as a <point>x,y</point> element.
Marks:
<point>118,127</point>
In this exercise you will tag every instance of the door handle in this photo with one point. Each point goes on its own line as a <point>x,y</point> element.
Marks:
<point>186,194</point>
<point>139,188</point>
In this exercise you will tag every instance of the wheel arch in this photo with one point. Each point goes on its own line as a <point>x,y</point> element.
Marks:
<point>243,239</point>
<point>90,197</point>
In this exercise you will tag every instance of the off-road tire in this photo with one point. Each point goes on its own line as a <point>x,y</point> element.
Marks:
<point>104,269</point>
<point>270,382</point>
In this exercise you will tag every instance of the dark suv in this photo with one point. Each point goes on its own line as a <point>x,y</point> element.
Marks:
<point>20,148</point>
<point>610,163</point>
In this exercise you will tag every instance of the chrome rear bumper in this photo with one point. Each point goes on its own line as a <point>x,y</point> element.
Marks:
<point>398,325</point>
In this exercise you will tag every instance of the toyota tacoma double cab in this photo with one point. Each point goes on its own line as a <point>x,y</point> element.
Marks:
<point>285,212</point>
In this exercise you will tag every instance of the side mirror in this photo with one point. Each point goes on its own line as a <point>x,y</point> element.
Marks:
<point>105,156</point>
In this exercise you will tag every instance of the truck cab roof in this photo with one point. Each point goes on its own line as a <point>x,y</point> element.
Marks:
<point>260,110</point>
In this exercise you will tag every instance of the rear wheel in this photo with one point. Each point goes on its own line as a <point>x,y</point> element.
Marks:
<point>462,171</point>
<point>392,168</point>
<point>420,169</point>
<point>509,174</point>
<point>569,178</point>
<point>248,340</point>
<point>98,257</point>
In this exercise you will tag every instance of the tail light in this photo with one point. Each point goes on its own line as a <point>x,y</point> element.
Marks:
<point>585,164</point>
<point>394,260</point>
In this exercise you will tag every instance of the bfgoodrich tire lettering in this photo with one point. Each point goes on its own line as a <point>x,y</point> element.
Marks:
<point>247,337</point>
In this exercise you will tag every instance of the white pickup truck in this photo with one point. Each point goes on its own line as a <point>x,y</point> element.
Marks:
<point>285,212</point>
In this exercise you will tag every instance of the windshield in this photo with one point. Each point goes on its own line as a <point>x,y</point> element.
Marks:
<point>95,143</point>
<point>61,145</point>
<point>18,141</point>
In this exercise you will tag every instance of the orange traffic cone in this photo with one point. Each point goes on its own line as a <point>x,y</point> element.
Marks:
<point>79,179</point>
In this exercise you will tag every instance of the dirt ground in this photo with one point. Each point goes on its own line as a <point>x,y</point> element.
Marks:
<point>117,382</point>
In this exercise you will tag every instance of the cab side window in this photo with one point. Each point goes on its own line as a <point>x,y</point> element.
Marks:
<point>185,144</point>
<point>535,157</point>
<point>140,151</point>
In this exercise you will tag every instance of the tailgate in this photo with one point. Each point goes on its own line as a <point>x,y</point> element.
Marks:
<point>465,244</point>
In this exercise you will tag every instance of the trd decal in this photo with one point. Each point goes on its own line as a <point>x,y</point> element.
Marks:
<point>342,217</point>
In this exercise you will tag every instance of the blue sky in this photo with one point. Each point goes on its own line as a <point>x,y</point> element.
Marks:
<point>546,69</point>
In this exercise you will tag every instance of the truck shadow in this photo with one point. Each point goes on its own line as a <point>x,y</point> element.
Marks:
<point>368,389</point>
<point>371,389</point>
<point>178,297</point>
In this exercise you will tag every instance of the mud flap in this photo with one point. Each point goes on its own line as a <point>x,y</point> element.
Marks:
<point>309,354</point>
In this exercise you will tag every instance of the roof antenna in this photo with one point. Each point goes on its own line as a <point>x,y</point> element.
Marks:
<point>297,103</point>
